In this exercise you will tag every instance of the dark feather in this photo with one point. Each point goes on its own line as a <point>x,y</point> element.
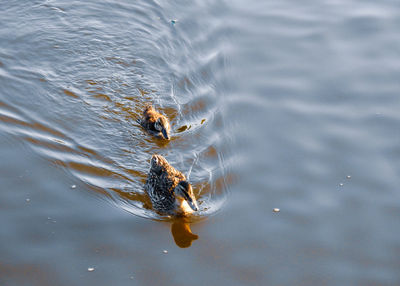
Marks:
<point>160,185</point>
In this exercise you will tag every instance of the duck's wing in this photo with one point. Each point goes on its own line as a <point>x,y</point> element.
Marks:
<point>168,172</point>
<point>147,123</point>
<point>151,127</point>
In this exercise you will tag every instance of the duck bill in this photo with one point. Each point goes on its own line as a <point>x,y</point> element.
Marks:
<point>193,205</point>
<point>164,133</point>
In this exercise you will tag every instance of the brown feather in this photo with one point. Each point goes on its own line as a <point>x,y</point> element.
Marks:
<point>149,118</point>
<point>160,185</point>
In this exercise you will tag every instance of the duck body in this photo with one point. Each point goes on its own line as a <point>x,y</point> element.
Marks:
<point>168,189</point>
<point>155,123</point>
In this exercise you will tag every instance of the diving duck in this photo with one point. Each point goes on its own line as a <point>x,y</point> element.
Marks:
<point>155,123</point>
<point>169,191</point>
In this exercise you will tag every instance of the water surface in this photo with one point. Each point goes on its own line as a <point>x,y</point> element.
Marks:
<point>274,104</point>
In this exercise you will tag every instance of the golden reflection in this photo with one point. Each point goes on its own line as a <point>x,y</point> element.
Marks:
<point>102,96</point>
<point>99,190</point>
<point>70,93</point>
<point>149,141</point>
<point>183,128</point>
<point>143,92</point>
<point>183,236</point>
<point>180,226</point>
<point>161,143</point>
<point>198,105</point>
<point>119,61</point>
<point>91,82</point>
<point>170,112</point>
<point>55,145</point>
<point>143,198</point>
<point>35,125</point>
<point>211,152</point>
<point>95,170</point>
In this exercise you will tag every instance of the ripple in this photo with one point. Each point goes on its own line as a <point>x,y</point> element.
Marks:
<point>88,101</point>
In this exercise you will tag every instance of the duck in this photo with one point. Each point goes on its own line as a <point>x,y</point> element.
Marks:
<point>155,123</point>
<point>168,189</point>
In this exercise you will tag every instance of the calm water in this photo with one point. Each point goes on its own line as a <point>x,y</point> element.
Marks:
<point>274,104</point>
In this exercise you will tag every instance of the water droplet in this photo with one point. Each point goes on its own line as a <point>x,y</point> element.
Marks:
<point>348,177</point>
<point>28,200</point>
<point>165,251</point>
<point>90,269</point>
<point>276,210</point>
<point>73,186</point>
<point>341,184</point>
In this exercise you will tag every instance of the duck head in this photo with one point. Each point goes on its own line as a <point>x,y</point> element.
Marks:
<point>185,199</point>
<point>162,125</point>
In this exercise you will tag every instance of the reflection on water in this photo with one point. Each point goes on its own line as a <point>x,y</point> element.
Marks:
<point>273,103</point>
<point>121,182</point>
<point>183,236</point>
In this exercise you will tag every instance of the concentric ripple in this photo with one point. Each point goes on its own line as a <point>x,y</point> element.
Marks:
<point>81,110</point>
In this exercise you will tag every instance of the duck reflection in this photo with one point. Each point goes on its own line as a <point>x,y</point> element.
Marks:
<point>180,229</point>
<point>180,225</point>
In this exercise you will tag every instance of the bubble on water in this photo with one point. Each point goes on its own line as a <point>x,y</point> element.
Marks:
<point>348,177</point>
<point>28,200</point>
<point>73,186</point>
<point>165,251</point>
<point>276,210</point>
<point>90,269</point>
<point>341,184</point>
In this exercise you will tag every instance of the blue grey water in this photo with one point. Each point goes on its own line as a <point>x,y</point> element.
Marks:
<point>289,105</point>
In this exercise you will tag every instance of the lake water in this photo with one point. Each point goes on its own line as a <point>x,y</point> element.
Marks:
<point>289,105</point>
